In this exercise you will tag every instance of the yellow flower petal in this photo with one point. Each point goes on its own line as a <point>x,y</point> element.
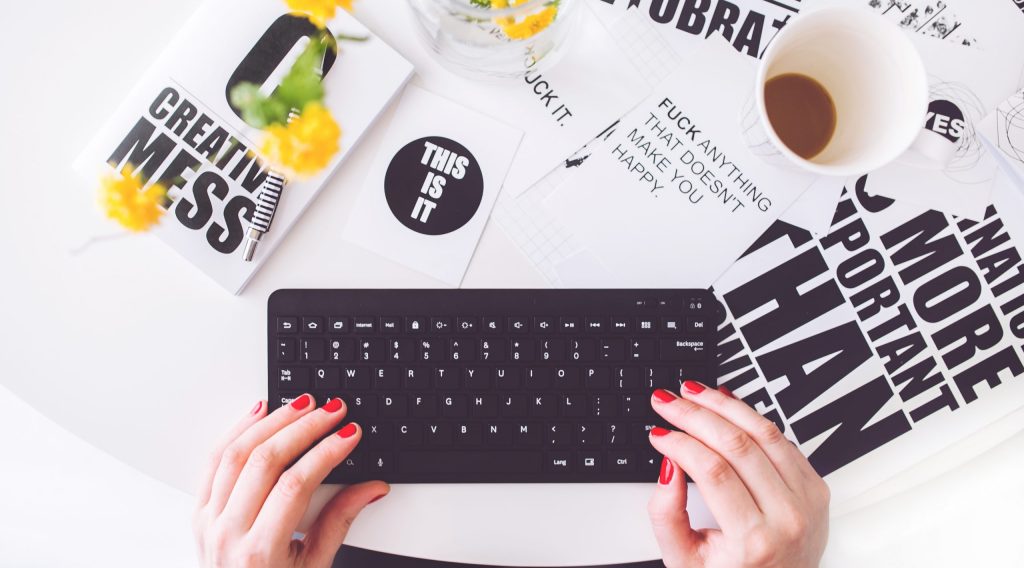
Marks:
<point>319,11</point>
<point>123,199</point>
<point>304,146</point>
<point>529,26</point>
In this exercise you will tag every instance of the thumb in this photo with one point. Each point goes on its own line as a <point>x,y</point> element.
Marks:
<point>328,532</point>
<point>671,523</point>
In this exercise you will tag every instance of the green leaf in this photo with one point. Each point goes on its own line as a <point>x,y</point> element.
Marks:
<point>301,85</point>
<point>481,3</point>
<point>258,110</point>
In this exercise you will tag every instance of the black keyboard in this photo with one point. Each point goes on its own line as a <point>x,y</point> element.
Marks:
<point>496,386</point>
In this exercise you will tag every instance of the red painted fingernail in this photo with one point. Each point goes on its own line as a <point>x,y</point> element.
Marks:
<point>302,402</point>
<point>658,431</point>
<point>348,431</point>
<point>693,387</point>
<point>256,409</point>
<point>375,499</point>
<point>725,390</point>
<point>665,477</point>
<point>664,396</point>
<point>333,405</point>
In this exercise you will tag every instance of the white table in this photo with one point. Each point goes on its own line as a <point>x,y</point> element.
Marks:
<point>137,354</point>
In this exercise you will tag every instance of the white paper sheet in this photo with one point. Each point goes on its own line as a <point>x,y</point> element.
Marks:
<point>676,176</point>
<point>594,80</point>
<point>433,183</point>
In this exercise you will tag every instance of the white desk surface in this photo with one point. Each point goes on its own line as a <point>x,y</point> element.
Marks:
<point>122,363</point>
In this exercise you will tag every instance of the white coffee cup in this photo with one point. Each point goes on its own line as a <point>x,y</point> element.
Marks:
<point>874,75</point>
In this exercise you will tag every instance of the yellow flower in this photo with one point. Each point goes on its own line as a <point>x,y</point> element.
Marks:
<point>124,200</point>
<point>319,11</point>
<point>530,25</point>
<point>305,145</point>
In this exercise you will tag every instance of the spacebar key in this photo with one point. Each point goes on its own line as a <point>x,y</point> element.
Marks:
<point>414,462</point>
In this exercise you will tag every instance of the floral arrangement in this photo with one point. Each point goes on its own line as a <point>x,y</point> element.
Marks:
<point>526,27</point>
<point>299,146</point>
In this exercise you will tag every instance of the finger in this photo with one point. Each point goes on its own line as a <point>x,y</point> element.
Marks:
<point>745,456</point>
<point>269,460</point>
<point>290,497</point>
<point>259,410</point>
<point>328,532</point>
<point>727,497</point>
<point>793,467</point>
<point>237,453</point>
<point>670,521</point>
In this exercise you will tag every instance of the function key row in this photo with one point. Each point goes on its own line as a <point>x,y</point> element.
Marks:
<point>513,325</point>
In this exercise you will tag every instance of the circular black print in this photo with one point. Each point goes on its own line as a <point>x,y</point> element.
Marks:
<point>434,185</point>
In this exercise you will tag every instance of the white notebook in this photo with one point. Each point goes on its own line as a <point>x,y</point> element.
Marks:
<point>177,123</point>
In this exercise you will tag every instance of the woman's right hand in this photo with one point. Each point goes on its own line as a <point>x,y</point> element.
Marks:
<point>770,503</point>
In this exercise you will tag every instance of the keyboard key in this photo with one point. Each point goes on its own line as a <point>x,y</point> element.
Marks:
<point>573,405</point>
<point>311,350</point>
<point>424,406</point>
<point>409,434</point>
<point>484,406</point>
<point>394,406</point>
<point>285,350</point>
<point>521,350</point>
<point>621,324</point>
<point>415,325</point>
<point>588,435</point>
<point>390,324</point>
<point>497,434</point>
<point>646,325</point>
<point>695,324</point>
<point>624,462</point>
<point>613,349</point>
<point>552,350</point>
<point>596,325</point>
<point>642,349</point>
<point>597,378</point>
<point>338,325</point>
<point>559,462</point>
<point>633,406</point>
<point>514,406</point>
<point>477,378</point>
<point>372,350</point>
<point>440,325</point>
<point>518,325</point>
<point>538,378</point>
<point>365,325</point>
<point>543,406</point>
<point>604,406</point>
<point>468,434</point>
<point>492,350</point>
<point>559,435</point>
<point>582,350</point>
<point>350,465</point>
<point>379,464</point>
<point>462,350</point>
<point>431,350</point>
<point>454,406</point>
<point>615,434</point>
<point>543,324</point>
<point>438,434</point>
<point>363,406</point>
<point>313,325</point>
<point>569,324</point>
<point>377,434</point>
<point>525,434</point>
<point>507,378</point>
<point>446,378</point>
<point>386,378</point>
<point>567,378</point>
<point>327,378</point>
<point>627,378</point>
<point>343,349</point>
<point>682,350</point>
<point>287,325</point>
<point>417,378</point>
<point>464,462</point>
<point>355,378</point>
<point>672,325</point>
<point>402,350</point>
<point>293,378</point>
<point>466,325</point>
<point>492,325</point>
<point>589,461</point>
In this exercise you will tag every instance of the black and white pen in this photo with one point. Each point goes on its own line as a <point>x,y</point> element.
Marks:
<point>266,206</point>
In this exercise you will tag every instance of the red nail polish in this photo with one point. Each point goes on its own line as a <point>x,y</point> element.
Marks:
<point>302,402</point>
<point>693,387</point>
<point>725,390</point>
<point>256,409</point>
<point>659,431</point>
<point>664,396</point>
<point>348,431</point>
<point>665,477</point>
<point>333,405</point>
<point>375,499</point>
